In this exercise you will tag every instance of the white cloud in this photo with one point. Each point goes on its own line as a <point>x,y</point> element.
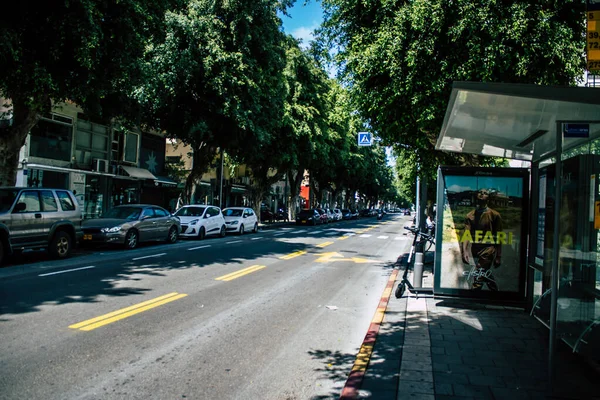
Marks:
<point>305,34</point>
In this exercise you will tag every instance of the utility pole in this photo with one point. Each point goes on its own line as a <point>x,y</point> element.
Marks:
<point>221,184</point>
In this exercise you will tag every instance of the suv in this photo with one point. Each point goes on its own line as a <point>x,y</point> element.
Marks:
<point>35,218</point>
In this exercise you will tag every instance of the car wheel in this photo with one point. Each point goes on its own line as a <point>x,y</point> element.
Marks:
<point>131,239</point>
<point>241,229</point>
<point>173,235</point>
<point>223,231</point>
<point>201,233</point>
<point>61,245</point>
<point>255,229</point>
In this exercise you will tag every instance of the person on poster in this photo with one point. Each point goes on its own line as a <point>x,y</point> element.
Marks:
<point>481,248</point>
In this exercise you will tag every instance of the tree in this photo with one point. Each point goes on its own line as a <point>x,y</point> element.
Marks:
<point>217,78</point>
<point>400,57</point>
<point>86,52</point>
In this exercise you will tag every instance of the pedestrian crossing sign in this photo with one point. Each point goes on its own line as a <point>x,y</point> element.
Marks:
<point>364,139</point>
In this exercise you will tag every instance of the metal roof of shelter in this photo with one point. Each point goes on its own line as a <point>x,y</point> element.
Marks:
<point>512,120</point>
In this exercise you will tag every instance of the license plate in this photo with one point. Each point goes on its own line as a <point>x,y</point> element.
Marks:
<point>87,237</point>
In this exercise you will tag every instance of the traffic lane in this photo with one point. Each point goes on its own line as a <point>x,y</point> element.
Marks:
<point>106,285</point>
<point>214,311</point>
<point>274,339</point>
<point>31,263</point>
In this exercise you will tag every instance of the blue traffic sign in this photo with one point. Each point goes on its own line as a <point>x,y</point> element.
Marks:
<point>576,130</point>
<point>364,139</point>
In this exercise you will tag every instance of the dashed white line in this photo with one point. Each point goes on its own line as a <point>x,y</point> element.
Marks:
<point>200,247</point>
<point>365,236</point>
<point>256,238</point>
<point>153,255</point>
<point>279,234</point>
<point>67,270</point>
<point>234,241</point>
<point>382,237</point>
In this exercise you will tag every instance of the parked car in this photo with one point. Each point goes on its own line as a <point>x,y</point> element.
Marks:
<point>338,214</point>
<point>308,217</point>
<point>36,218</point>
<point>323,214</point>
<point>347,214</point>
<point>199,221</point>
<point>132,224</point>
<point>407,212</point>
<point>266,215</point>
<point>240,219</point>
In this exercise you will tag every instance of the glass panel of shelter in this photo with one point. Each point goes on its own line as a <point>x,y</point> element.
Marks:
<point>578,315</point>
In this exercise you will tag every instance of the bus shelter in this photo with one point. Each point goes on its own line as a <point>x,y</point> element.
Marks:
<point>557,130</point>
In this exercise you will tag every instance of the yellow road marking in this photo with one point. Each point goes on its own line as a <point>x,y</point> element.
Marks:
<point>123,313</point>
<point>343,237</point>
<point>292,255</point>
<point>242,272</point>
<point>326,257</point>
<point>324,244</point>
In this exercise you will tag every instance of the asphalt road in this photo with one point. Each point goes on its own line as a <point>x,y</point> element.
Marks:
<point>276,315</point>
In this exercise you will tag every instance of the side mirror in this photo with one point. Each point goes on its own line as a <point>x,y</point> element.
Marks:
<point>20,207</point>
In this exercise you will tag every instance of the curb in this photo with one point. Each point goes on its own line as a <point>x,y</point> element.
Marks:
<point>354,381</point>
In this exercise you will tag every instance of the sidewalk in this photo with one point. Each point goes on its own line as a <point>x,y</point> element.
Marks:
<point>434,348</point>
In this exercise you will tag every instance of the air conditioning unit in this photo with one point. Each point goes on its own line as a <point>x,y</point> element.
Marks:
<point>100,165</point>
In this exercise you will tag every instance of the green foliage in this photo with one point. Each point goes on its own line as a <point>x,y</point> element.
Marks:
<point>399,58</point>
<point>83,51</point>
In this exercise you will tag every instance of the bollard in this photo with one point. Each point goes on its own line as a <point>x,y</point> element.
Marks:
<point>418,271</point>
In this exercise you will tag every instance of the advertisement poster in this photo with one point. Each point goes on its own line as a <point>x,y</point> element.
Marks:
<point>482,227</point>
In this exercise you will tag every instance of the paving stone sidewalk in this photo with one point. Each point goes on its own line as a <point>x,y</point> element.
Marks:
<point>438,349</point>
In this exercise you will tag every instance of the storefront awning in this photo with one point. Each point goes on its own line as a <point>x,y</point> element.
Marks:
<point>165,181</point>
<point>238,189</point>
<point>138,173</point>
<point>512,120</point>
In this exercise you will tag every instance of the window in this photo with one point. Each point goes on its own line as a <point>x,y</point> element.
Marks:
<point>48,201</point>
<point>147,213</point>
<point>66,202</point>
<point>131,147</point>
<point>160,212</point>
<point>92,142</point>
<point>51,139</point>
<point>31,201</point>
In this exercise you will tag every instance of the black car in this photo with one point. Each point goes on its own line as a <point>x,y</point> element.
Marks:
<point>308,217</point>
<point>407,212</point>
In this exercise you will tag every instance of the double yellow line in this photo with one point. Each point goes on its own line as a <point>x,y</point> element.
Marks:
<point>123,313</point>
<point>242,272</point>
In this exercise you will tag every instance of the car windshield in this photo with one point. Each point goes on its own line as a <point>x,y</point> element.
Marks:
<point>7,198</point>
<point>190,212</point>
<point>232,213</point>
<point>128,213</point>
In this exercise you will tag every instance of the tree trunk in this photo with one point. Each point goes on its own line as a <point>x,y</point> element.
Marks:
<point>202,157</point>
<point>12,138</point>
<point>295,182</point>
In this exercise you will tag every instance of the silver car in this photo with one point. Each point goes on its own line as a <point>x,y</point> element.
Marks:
<point>132,224</point>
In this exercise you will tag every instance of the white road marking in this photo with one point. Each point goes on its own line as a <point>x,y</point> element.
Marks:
<point>234,241</point>
<point>365,236</point>
<point>153,255</point>
<point>256,238</point>
<point>279,234</point>
<point>382,237</point>
<point>199,247</point>
<point>67,270</point>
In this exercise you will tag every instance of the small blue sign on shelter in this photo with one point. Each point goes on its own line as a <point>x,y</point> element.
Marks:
<point>364,139</point>
<point>576,130</point>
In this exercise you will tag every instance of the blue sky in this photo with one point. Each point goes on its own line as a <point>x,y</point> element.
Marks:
<point>305,16</point>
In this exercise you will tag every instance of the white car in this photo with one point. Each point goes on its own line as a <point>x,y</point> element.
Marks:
<point>240,219</point>
<point>198,221</point>
<point>338,214</point>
